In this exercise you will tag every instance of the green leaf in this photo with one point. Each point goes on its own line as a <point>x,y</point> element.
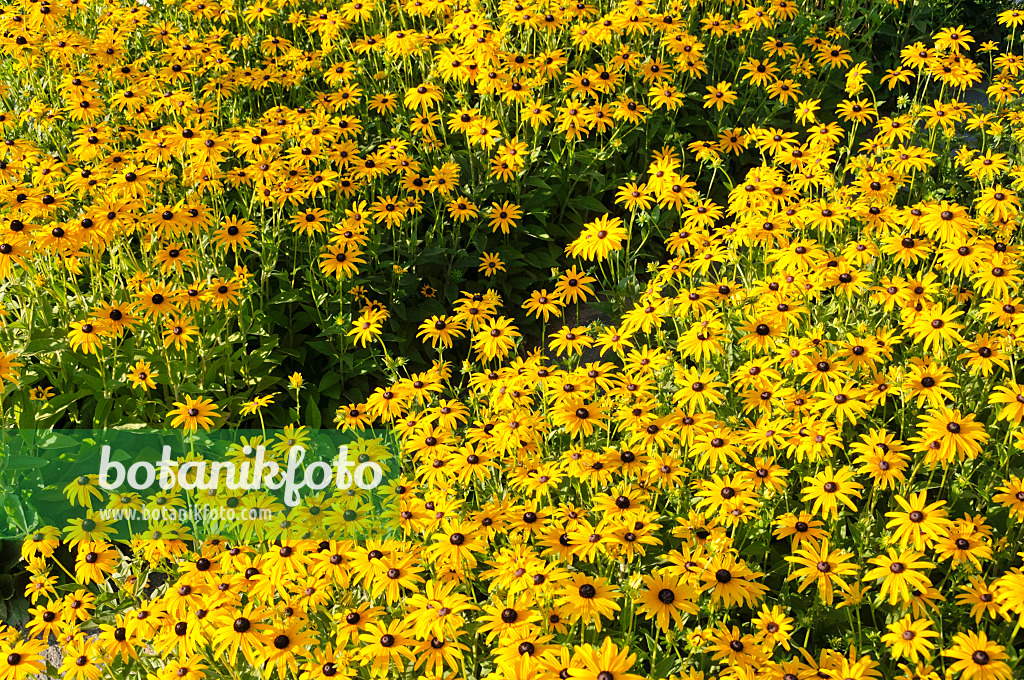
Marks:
<point>535,181</point>
<point>48,496</point>
<point>321,347</point>
<point>27,418</point>
<point>312,414</point>
<point>93,382</point>
<point>53,441</point>
<point>451,290</point>
<point>103,408</point>
<point>43,345</point>
<point>15,512</point>
<point>20,462</point>
<point>287,297</point>
<point>589,203</point>
<point>663,668</point>
<point>6,586</point>
<point>330,379</point>
<point>540,260</point>
<point>431,255</point>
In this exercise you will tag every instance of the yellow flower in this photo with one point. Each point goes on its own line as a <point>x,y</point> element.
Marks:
<point>257,404</point>
<point>9,368</point>
<point>193,413</point>
<point>720,95</point>
<point>142,375</point>
<point>491,264</point>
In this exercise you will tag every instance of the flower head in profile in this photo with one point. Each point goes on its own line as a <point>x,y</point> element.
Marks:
<point>257,404</point>
<point>9,368</point>
<point>82,490</point>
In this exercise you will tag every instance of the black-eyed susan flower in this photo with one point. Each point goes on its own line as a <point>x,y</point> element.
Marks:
<point>513,617</point>
<point>570,341</point>
<point>496,338</point>
<point>574,286</point>
<point>94,561</point>
<point>341,261</point>
<point>730,581</point>
<point>193,413</point>
<point>975,656</point>
<point>599,239</point>
<point>9,367</point>
<point>719,96</point>
<point>597,663</point>
<point>918,523</point>
<point>665,598</point>
<point>87,336</point>
<point>822,567</point>
<point>910,639</point>
<point>22,660</point>
<point>828,489</point>
<point>491,264</point>
<point>504,216</point>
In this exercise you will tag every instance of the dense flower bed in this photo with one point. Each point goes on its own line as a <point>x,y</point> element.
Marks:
<point>696,324</point>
